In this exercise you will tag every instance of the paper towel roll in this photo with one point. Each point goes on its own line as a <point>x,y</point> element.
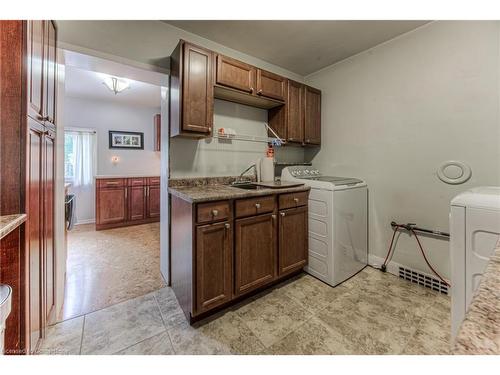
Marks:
<point>267,169</point>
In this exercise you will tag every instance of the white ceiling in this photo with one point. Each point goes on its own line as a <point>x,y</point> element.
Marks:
<point>81,83</point>
<point>302,47</point>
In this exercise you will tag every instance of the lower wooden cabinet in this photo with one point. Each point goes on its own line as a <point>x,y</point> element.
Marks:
<point>137,203</point>
<point>255,252</point>
<point>293,241</point>
<point>223,250</point>
<point>214,259</point>
<point>153,201</point>
<point>127,201</point>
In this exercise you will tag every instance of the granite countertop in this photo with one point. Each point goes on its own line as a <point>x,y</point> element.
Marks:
<point>480,330</point>
<point>10,222</point>
<point>205,193</point>
<point>125,175</point>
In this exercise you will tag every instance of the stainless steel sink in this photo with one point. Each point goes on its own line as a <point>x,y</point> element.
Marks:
<point>245,185</point>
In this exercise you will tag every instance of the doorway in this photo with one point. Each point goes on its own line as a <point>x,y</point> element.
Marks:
<point>112,115</point>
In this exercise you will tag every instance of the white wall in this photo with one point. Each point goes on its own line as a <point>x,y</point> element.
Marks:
<point>214,157</point>
<point>104,116</point>
<point>392,114</point>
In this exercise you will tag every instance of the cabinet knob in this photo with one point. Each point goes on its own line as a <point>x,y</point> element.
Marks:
<point>259,92</point>
<point>273,217</point>
<point>308,140</point>
<point>257,205</point>
<point>215,212</point>
<point>227,225</point>
<point>296,200</point>
<point>251,89</point>
<point>282,213</point>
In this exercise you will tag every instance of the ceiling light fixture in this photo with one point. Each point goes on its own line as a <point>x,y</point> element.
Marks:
<point>116,85</point>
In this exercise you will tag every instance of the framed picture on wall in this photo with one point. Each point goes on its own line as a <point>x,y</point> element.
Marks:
<point>126,140</point>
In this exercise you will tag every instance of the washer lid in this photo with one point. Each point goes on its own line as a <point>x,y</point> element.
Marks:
<point>336,181</point>
<point>481,197</point>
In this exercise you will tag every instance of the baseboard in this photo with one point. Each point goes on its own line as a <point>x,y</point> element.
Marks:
<point>88,221</point>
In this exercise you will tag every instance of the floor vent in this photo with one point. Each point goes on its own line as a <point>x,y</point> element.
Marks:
<point>424,280</point>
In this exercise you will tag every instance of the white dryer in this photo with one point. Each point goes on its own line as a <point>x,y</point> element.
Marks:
<point>474,232</point>
<point>338,223</point>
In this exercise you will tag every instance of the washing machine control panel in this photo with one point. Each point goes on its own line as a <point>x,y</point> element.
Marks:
<point>303,171</point>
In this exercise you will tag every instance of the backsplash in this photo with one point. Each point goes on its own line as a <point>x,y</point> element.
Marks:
<point>216,157</point>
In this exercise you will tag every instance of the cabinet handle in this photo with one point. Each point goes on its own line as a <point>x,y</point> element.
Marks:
<point>282,214</point>
<point>126,190</point>
<point>259,92</point>
<point>296,200</point>
<point>273,217</point>
<point>251,89</point>
<point>215,212</point>
<point>227,225</point>
<point>257,205</point>
<point>308,140</point>
<point>112,183</point>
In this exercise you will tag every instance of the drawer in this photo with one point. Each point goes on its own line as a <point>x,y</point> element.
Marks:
<point>137,181</point>
<point>291,200</point>
<point>255,206</point>
<point>153,180</point>
<point>213,211</point>
<point>111,182</point>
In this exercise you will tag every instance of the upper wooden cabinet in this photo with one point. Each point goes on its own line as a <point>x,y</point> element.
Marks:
<point>35,48</point>
<point>312,116</point>
<point>199,75</point>
<point>235,74</point>
<point>191,91</point>
<point>299,120</point>
<point>42,73</point>
<point>270,85</point>
<point>49,81</point>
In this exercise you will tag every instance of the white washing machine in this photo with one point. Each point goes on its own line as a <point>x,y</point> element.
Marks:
<point>338,223</point>
<point>474,233</point>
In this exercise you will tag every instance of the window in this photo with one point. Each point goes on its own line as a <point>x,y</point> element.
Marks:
<point>79,157</point>
<point>69,158</point>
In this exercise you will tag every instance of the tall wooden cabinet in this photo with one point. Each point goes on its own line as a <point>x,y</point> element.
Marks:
<point>40,167</point>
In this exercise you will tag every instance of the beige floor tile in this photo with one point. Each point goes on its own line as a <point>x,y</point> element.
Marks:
<point>63,338</point>
<point>232,333</point>
<point>311,293</point>
<point>156,345</point>
<point>273,316</point>
<point>311,338</point>
<point>117,327</point>
<point>189,340</point>
<point>171,312</point>
<point>423,343</point>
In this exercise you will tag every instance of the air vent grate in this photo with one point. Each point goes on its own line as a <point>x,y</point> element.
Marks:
<point>423,280</point>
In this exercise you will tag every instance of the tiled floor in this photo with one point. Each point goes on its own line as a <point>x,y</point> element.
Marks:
<point>372,313</point>
<point>110,266</point>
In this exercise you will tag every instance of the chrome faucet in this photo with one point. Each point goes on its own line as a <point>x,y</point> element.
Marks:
<point>240,177</point>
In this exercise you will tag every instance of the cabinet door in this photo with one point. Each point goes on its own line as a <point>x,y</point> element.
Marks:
<point>111,205</point>
<point>48,227</point>
<point>270,85</point>
<point>295,112</point>
<point>214,265</point>
<point>34,227</point>
<point>137,202</point>
<point>293,240</point>
<point>49,81</point>
<point>153,201</point>
<point>35,41</point>
<point>235,74</point>
<point>198,90</point>
<point>255,252</point>
<point>312,107</point>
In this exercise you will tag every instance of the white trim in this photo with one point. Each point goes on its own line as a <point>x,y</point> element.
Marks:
<point>87,221</point>
<point>79,130</point>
